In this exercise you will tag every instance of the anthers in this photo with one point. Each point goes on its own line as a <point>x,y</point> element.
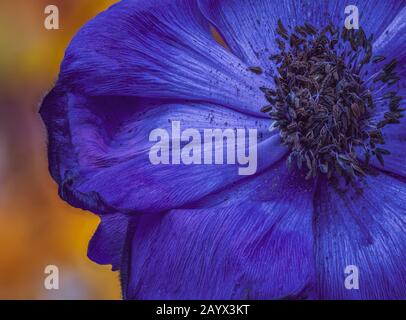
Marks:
<point>322,103</point>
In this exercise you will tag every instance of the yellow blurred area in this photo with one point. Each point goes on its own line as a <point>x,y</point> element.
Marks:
<point>36,227</point>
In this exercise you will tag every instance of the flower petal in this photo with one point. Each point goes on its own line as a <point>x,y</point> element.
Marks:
<point>272,184</point>
<point>394,136</point>
<point>248,26</point>
<point>251,250</point>
<point>392,40</point>
<point>375,15</point>
<point>364,230</point>
<point>108,242</point>
<point>158,49</point>
<point>100,151</point>
<point>392,44</point>
<point>395,142</point>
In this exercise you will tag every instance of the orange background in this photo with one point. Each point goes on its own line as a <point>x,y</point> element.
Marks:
<point>36,227</point>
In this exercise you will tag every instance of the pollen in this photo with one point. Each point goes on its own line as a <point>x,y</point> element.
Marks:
<point>322,104</point>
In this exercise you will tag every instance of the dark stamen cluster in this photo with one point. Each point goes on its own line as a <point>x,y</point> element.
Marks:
<point>321,104</point>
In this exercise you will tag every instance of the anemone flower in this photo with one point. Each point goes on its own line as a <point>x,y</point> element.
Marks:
<point>329,188</point>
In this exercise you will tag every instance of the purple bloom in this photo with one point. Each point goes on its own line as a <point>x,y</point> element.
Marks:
<point>202,231</point>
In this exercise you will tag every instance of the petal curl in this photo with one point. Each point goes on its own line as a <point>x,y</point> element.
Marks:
<point>364,230</point>
<point>100,152</point>
<point>158,49</point>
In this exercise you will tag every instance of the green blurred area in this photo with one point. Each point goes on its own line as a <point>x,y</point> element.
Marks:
<point>36,228</point>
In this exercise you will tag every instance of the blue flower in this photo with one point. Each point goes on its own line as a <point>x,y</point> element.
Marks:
<point>203,231</point>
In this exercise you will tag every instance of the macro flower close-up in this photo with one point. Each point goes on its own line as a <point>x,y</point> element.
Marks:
<point>238,149</point>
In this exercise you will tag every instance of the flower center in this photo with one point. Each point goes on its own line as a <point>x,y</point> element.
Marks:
<point>322,105</point>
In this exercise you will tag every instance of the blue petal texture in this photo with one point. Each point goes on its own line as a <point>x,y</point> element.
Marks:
<point>158,52</point>
<point>248,26</point>
<point>108,242</point>
<point>112,144</point>
<point>203,231</point>
<point>366,230</point>
<point>242,250</point>
<point>158,49</point>
<point>392,44</point>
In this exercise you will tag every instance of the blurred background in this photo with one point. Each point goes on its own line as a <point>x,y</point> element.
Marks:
<point>36,227</point>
